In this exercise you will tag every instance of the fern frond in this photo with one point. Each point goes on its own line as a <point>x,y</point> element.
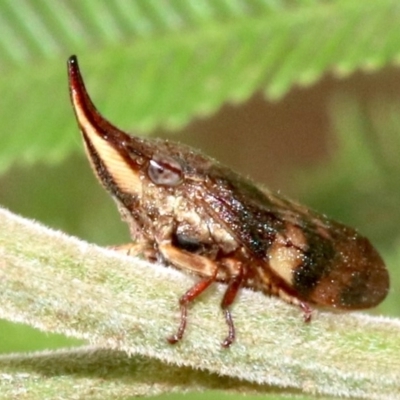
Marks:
<point>160,63</point>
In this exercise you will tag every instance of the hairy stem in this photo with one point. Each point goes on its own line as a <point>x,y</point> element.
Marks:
<point>125,306</point>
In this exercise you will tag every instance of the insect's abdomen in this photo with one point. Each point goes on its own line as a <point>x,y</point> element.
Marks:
<point>356,279</point>
<point>335,268</point>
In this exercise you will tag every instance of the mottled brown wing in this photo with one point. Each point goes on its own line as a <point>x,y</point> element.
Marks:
<point>338,268</point>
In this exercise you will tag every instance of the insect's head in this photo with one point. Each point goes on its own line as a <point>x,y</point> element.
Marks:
<point>125,165</point>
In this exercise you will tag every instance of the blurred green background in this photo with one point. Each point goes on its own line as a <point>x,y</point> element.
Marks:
<point>303,96</point>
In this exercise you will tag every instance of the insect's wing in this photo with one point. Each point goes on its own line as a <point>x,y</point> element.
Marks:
<point>243,209</point>
<point>320,260</point>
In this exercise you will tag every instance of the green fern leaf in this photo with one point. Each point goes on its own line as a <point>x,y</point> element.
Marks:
<point>160,63</point>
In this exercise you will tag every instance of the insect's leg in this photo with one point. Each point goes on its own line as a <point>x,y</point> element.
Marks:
<point>184,301</point>
<point>307,311</point>
<point>289,298</point>
<point>229,297</point>
<point>190,262</point>
<point>142,250</point>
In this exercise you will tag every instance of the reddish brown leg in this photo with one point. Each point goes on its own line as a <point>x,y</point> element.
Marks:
<point>307,311</point>
<point>228,299</point>
<point>184,301</point>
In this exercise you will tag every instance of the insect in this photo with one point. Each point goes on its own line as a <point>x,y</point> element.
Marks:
<point>197,215</point>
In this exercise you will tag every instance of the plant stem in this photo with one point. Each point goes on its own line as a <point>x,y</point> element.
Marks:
<point>60,284</point>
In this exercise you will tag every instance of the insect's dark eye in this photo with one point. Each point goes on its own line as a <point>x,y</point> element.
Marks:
<point>165,171</point>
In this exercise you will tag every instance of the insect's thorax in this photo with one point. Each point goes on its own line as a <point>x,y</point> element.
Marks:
<point>163,217</point>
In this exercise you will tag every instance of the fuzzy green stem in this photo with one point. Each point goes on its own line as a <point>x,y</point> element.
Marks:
<point>61,284</point>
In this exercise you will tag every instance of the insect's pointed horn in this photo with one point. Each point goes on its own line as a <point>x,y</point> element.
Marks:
<point>79,97</point>
<point>107,147</point>
<point>89,119</point>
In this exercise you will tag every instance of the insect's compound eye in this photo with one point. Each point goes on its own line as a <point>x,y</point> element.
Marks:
<point>165,171</point>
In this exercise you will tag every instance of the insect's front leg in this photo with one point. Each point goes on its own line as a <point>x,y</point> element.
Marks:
<point>207,268</point>
<point>138,249</point>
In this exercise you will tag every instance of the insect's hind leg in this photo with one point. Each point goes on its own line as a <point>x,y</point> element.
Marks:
<point>303,305</point>
<point>307,311</point>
